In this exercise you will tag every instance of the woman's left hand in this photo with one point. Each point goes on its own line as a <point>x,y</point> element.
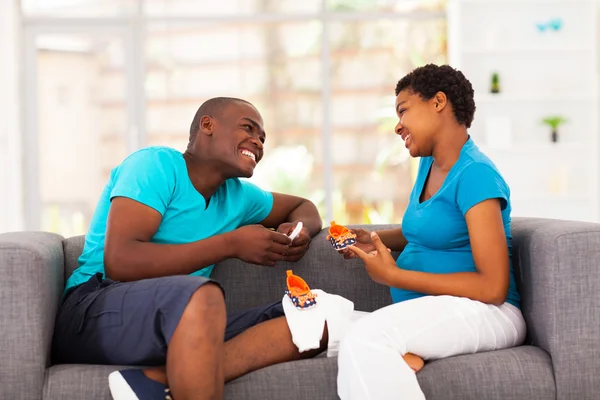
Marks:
<point>380,264</point>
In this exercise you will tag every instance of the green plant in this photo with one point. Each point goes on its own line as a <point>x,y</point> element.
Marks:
<point>554,122</point>
<point>495,83</point>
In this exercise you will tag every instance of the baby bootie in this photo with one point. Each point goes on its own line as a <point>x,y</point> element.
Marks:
<point>340,237</point>
<point>299,292</point>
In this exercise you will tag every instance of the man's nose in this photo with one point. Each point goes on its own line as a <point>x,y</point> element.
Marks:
<point>257,143</point>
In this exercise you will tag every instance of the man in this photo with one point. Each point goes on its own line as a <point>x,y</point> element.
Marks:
<point>142,294</point>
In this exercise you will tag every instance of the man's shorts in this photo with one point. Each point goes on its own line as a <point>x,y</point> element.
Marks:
<point>131,323</point>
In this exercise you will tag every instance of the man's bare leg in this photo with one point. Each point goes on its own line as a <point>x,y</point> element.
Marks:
<point>265,344</point>
<point>195,354</point>
<point>262,345</point>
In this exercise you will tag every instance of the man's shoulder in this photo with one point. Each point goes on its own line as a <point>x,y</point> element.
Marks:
<point>161,153</point>
<point>154,158</point>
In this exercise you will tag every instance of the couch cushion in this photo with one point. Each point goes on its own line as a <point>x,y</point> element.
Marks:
<point>514,374</point>
<point>521,373</point>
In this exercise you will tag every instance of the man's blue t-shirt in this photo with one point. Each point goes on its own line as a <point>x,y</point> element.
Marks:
<point>158,178</point>
<point>436,229</point>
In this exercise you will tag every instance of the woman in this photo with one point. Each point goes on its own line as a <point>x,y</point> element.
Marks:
<point>453,286</point>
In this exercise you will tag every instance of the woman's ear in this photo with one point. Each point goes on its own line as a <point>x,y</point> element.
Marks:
<point>440,101</point>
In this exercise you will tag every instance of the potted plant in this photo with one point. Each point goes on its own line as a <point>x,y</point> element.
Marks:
<point>554,122</point>
<point>495,88</point>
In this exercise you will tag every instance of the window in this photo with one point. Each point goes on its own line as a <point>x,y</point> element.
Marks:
<point>321,72</point>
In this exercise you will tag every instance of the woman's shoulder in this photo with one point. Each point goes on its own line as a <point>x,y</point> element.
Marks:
<point>476,162</point>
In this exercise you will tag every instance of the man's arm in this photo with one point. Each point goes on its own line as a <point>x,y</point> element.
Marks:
<point>293,209</point>
<point>129,254</point>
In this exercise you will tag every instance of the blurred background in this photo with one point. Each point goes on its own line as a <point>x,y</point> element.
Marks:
<point>83,83</point>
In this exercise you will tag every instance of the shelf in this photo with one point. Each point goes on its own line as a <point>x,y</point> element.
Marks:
<point>548,197</point>
<point>524,98</point>
<point>487,51</point>
<point>531,148</point>
<point>522,2</point>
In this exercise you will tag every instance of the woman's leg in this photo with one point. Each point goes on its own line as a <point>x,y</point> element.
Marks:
<point>370,363</point>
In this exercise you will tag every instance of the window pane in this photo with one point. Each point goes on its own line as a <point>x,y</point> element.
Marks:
<point>385,5</point>
<point>372,169</point>
<point>276,66</point>
<point>78,8</point>
<point>81,125</point>
<point>207,8</point>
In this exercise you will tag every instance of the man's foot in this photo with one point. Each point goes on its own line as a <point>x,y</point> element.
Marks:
<point>132,384</point>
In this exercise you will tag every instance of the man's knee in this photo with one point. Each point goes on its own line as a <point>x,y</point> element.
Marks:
<point>208,299</point>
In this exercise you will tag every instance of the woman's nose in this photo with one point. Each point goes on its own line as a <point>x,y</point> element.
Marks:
<point>398,129</point>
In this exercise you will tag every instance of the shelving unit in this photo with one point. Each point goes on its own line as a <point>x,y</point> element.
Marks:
<point>546,55</point>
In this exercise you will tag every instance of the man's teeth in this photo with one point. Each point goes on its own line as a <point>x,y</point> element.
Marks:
<point>249,154</point>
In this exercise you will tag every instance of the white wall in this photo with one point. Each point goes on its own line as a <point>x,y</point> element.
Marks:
<point>11,204</point>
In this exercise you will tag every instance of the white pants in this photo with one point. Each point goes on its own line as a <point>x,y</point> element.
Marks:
<point>370,363</point>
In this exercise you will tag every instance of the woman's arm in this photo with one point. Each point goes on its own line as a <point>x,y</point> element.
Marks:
<point>490,253</point>
<point>393,239</point>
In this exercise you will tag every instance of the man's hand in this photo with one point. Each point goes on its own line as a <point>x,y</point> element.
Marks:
<point>363,242</point>
<point>300,245</point>
<point>256,244</point>
<point>380,264</point>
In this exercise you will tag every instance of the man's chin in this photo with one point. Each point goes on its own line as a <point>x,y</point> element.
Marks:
<point>247,173</point>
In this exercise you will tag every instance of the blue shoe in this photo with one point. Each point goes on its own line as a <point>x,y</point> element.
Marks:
<point>132,384</point>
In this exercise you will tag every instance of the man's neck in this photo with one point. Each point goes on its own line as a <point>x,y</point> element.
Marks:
<point>204,175</point>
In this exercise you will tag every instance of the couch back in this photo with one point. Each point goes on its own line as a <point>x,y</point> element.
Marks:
<point>248,285</point>
<point>323,268</point>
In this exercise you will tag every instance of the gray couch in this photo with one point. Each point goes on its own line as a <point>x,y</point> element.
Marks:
<point>557,264</point>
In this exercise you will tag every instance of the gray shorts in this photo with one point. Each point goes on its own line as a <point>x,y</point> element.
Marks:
<point>131,323</point>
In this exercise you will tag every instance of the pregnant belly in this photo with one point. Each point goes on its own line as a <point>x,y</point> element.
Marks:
<point>415,258</point>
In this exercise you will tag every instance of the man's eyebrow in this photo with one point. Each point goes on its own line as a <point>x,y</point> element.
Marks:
<point>255,124</point>
<point>399,104</point>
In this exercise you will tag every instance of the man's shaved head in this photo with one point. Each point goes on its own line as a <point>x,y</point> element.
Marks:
<point>213,107</point>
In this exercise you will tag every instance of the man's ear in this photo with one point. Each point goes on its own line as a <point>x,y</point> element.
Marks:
<point>440,101</point>
<point>207,125</point>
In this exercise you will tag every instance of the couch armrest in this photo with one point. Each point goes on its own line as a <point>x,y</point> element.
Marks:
<point>31,280</point>
<point>559,280</point>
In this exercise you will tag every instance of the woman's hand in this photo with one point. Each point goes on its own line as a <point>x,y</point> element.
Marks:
<point>363,242</point>
<point>379,263</point>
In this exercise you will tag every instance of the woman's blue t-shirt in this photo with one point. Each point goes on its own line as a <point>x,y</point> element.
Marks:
<point>436,229</point>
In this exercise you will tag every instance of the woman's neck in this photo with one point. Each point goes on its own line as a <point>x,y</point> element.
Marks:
<point>447,148</point>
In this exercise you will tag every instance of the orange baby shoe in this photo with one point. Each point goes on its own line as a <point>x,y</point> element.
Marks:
<point>340,236</point>
<point>299,292</point>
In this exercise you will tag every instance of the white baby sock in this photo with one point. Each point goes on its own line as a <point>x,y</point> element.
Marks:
<point>305,325</point>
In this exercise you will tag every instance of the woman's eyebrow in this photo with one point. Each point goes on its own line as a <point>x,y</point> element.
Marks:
<point>399,104</point>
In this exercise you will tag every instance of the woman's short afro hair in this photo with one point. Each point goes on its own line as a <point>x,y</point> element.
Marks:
<point>426,81</point>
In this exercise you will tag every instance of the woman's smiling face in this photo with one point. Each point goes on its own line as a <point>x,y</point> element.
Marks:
<point>418,122</point>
